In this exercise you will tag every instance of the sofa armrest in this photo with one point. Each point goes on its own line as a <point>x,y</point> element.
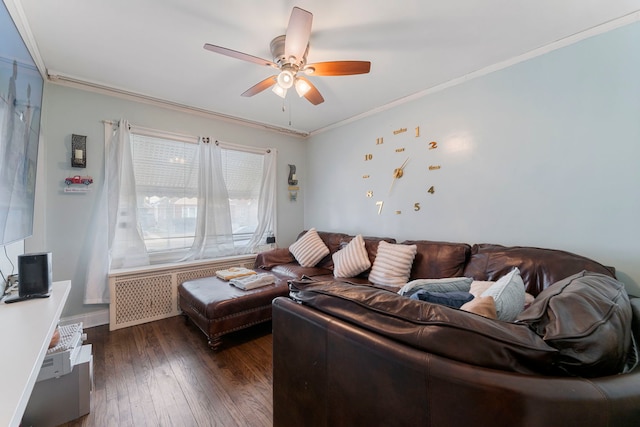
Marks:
<point>269,259</point>
<point>376,380</point>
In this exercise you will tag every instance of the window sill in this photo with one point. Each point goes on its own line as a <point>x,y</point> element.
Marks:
<point>186,265</point>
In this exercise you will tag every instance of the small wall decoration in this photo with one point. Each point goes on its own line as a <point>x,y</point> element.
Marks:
<point>78,151</point>
<point>77,179</point>
<point>292,180</point>
<point>77,183</point>
<point>293,193</point>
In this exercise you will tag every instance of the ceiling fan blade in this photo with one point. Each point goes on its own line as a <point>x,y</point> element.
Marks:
<point>338,68</point>
<point>298,32</point>
<point>239,55</point>
<point>259,87</point>
<point>312,95</point>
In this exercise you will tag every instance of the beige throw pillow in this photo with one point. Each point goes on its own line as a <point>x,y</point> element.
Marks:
<point>309,249</point>
<point>479,286</point>
<point>352,259</point>
<point>392,265</point>
<point>484,306</point>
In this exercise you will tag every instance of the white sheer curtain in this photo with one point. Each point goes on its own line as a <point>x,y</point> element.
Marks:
<point>214,235</point>
<point>126,246</point>
<point>266,203</point>
<point>118,242</point>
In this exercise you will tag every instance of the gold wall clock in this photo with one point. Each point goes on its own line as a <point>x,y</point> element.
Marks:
<point>402,157</point>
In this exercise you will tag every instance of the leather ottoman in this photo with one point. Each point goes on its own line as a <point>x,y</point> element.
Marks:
<point>218,308</point>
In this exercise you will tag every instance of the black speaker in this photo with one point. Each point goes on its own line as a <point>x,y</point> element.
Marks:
<point>34,274</point>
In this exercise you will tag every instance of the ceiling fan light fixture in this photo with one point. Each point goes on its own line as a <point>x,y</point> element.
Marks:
<point>302,87</point>
<point>285,79</point>
<point>280,91</point>
<point>289,52</point>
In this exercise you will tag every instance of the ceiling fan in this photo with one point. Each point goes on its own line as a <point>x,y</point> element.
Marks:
<point>289,53</point>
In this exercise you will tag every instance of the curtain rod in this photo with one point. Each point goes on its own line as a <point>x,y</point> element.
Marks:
<point>157,133</point>
<point>240,147</point>
<point>190,138</point>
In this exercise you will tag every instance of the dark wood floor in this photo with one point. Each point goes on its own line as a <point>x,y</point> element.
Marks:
<point>164,374</point>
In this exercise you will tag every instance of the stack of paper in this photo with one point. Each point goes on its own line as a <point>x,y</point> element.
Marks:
<point>252,282</point>
<point>234,272</point>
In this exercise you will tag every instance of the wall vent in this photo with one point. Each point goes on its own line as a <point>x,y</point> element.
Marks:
<point>144,295</point>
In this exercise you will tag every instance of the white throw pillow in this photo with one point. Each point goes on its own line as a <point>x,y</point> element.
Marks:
<point>392,265</point>
<point>508,293</point>
<point>309,249</point>
<point>352,259</point>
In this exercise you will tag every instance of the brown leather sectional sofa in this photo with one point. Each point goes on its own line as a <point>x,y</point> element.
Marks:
<point>348,353</point>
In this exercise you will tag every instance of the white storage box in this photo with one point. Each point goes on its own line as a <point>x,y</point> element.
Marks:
<point>61,358</point>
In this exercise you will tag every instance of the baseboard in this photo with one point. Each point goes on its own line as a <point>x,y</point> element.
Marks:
<point>89,320</point>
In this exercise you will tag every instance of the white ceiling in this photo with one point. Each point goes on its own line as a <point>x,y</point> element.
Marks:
<point>154,48</point>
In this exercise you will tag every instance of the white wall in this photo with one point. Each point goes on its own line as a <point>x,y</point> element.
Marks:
<point>64,228</point>
<point>543,153</point>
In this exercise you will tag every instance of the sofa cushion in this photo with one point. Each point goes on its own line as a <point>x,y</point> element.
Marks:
<point>309,249</point>
<point>352,259</point>
<point>437,329</point>
<point>508,295</point>
<point>274,257</point>
<point>435,260</point>
<point>587,317</point>
<point>293,270</point>
<point>539,268</point>
<point>392,264</point>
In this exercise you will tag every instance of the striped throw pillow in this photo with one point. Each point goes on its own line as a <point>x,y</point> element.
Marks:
<point>508,293</point>
<point>309,249</point>
<point>392,265</point>
<point>352,259</point>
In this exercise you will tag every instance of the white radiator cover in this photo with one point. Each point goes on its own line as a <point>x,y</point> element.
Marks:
<point>144,295</point>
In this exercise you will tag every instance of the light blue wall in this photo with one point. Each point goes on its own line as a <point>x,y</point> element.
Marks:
<point>543,153</point>
<point>64,228</point>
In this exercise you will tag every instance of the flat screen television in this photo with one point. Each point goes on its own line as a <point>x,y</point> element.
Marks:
<point>21,87</point>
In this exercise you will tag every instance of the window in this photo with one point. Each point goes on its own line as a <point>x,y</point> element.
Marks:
<point>166,175</point>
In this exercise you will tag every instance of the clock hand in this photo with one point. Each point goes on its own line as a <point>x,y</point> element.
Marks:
<point>403,165</point>
<point>397,173</point>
